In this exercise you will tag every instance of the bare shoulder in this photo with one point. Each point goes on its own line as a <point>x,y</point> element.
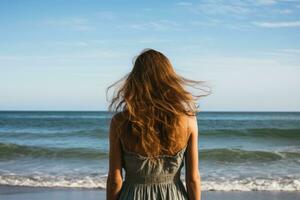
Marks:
<point>115,123</point>
<point>192,123</point>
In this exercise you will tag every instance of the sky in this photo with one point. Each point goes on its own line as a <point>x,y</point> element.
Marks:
<point>63,54</point>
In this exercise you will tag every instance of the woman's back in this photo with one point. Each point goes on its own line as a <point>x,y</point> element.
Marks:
<point>148,179</point>
<point>156,176</point>
<point>131,143</point>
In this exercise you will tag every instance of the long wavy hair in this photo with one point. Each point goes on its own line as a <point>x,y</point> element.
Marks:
<point>152,97</point>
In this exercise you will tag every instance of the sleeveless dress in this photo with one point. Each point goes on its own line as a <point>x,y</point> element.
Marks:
<point>157,179</point>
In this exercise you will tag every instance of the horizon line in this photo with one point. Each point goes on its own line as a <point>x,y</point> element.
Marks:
<point>113,111</point>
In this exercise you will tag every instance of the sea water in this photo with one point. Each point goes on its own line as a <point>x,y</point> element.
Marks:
<point>237,150</point>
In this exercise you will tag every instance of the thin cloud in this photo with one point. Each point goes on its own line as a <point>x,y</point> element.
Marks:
<point>75,23</point>
<point>296,51</point>
<point>283,11</point>
<point>183,3</point>
<point>160,25</point>
<point>96,54</point>
<point>148,9</point>
<point>220,61</point>
<point>273,2</point>
<point>235,11</point>
<point>74,43</point>
<point>267,2</point>
<point>151,41</point>
<point>216,7</point>
<point>284,54</point>
<point>106,15</point>
<point>283,24</point>
<point>227,14</point>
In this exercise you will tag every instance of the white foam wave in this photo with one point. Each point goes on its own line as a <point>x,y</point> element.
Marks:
<point>253,184</point>
<point>247,184</point>
<point>54,181</point>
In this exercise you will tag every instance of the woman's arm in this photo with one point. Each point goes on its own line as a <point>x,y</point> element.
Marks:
<point>114,179</point>
<point>192,175</point>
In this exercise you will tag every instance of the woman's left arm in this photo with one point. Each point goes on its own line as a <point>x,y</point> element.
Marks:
<point>114,179</point>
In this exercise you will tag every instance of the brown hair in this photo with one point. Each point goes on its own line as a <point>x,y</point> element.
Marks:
<point>153,97</point>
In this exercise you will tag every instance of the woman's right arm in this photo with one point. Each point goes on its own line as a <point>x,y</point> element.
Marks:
<point>192,175</point>
<point>114,178</point>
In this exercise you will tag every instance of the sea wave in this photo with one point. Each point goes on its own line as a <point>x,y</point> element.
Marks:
<point>225,184</point>
<point>54,181</point>
<point>272,133</point>
<point>240,155</point>
<point>252,184</point>
<point>102,132</point>
<point>43,134</point>
<point>9,151</point>
<point>54,115</point>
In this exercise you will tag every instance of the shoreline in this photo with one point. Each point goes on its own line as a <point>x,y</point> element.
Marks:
<point>45,193</point>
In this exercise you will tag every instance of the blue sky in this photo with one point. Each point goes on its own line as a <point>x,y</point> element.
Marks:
<point>61,55</point>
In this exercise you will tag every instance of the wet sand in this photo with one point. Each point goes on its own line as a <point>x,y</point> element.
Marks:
<point>39,193</point>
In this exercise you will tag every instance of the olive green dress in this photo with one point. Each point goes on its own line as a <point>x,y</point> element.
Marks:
<point>157,179</point>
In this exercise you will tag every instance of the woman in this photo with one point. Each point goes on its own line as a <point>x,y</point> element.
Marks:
<point>154,133</point>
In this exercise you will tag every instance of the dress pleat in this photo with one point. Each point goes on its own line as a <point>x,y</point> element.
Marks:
<point>148,180</point>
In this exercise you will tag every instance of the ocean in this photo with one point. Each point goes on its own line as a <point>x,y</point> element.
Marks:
<point>237,150</point>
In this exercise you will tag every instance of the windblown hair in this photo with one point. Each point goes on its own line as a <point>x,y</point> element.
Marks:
<point>153,97</point>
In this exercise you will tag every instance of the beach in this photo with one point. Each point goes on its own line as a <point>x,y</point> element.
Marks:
<point>242,155</point>
<point>34,193</point>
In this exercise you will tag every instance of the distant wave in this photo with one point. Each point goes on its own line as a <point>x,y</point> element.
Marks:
<point>53,115</point>
<point>38,134</point>
<point>8,151</point>
<point>239,155</point>
<point>273,133</point>
<point>96,181</point>
<point>270,133</point>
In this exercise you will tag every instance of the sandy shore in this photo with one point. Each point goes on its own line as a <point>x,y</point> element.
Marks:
<point>34,193</point>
